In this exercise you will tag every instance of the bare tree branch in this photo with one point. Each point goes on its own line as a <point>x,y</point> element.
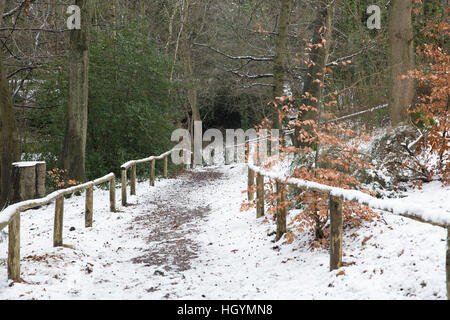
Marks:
<point>20,70</point>
<point>34,29</point>
<point>252,58</point>
<point>251,76</point>
<point>19,7</point>
<point>252,85</point>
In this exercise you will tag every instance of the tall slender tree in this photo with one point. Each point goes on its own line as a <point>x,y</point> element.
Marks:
<point>401,60</point>
<point>192,94</point>
<point>9,141</point>
<point>74,151</point>
<point>318,59</point>
<point>279,63</point>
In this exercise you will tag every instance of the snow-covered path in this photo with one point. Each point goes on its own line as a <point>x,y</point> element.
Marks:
<point>187,239</point>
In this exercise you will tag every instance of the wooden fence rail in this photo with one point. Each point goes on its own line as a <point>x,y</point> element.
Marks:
<point>337,197</point>
<point>152,164</point>
<point>11,217</point>
<point>132,164</point>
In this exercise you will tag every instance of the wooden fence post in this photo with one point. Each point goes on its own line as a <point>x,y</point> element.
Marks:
<point>336,221</point>
<point>165,167</point>
<point>89,207</point>
<point>447,263</point>
<point>152,173</point>
<point>14,248</point>
<point>40,179</point>
<point>124,187</point>
<point>133,181</point>
<point>58,224</point>
<point>281,210</point>
<point>260,195</point>
<point>247,152</point>
<point>251,184</point>
<point>112,194</point>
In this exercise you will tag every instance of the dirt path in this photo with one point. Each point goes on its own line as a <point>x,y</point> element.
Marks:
<point>172,225</point>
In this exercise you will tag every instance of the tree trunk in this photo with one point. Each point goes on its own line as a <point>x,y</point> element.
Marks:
<point>401,60</point>
<point>279,66</point>
<point>189,77</point>
<point>9,140</point>
<point>192,90</point>
<point>319,58</point>
<point>74,152</point>
<point>188,70</point>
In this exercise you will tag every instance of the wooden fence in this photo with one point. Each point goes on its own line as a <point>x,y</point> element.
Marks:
<point>336,200</point>
<point>133,164</point>
<point>11,215</point>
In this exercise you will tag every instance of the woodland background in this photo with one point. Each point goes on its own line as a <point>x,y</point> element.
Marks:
<point>151,66</point>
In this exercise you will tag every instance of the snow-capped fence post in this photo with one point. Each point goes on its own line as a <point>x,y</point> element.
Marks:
<point>259,195</point>
<point>336,221</point>
<point>165,167</point>
<point>14,248</point>
<point>152,172</point>
<point>133,181</point>
<point>112,194</point>
<point>281,210</point>
<point>58,223</point>
<point>124,186</point>
<point>89,212</point>
<point>251,184</point>
<point>447,263</point>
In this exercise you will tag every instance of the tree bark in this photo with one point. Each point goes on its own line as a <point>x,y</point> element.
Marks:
<point>9,140</point>
<point>188,70</point>
<point>319,58</point>
<point>279,65</point>
<point>192,90</point>
<point>74,152</point>
<point>401,60</point>
<point>23,183</point>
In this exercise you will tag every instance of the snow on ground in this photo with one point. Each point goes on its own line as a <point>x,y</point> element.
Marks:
<point>233,256</point>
